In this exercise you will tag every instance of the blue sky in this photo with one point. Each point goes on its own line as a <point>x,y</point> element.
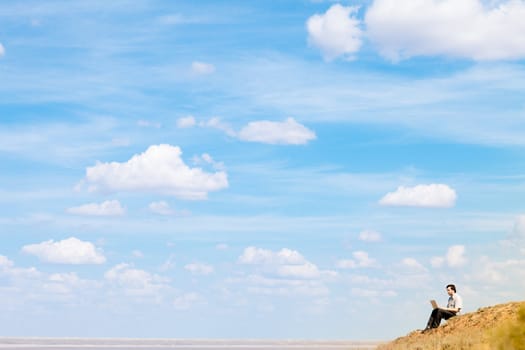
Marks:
<point>257,169</point>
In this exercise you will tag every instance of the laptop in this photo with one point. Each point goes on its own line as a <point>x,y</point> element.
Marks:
<point>434,304</point>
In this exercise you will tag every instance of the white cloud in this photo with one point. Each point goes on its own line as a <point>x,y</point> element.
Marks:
<point>288,132</point>
<point>306,270</point>
<point>107,208</point>
<point>68,284</point>
<point>159,169</point>
<point>466,29</point>
<point>336,33</point>
<point>136,282</point>
<point>454,257</point>
<point>186,122</point>
<point>253,255</point>
<point>5,262</point>
<point>67,251</point>
<point>199,268</point>
<point>360,260</point>
<point>2,50</point>
<point>284,263</point>
<point>370,236</point>
<point>217,123</point>
<point>433,196</point>
<point>205,158</point>
<point>412,265</point>
<point>161,208</point>
<point>202,68</point>
<point>346,264</point>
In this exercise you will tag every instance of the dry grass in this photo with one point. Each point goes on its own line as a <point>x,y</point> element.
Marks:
<point>500,327</point>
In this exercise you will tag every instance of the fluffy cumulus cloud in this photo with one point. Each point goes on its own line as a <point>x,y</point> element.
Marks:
<point>136,282</point>
<point>284,263</point>
<point>160,169</point>
<point>288,132</point>
<point>254,255</point>
<point>360,260</point>
<point>107,208</point>
<point>336,33</point>
<point>471,29</point>
<point>432,196</point>
<point>67,251</point>
<point>454,257</point>
<point>202,68</point>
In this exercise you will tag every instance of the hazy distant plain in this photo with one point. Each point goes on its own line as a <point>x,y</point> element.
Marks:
<point>180,344</point>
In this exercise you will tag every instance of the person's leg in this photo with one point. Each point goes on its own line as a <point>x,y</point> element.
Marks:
<point>440,314</point>
<point>431,319</point>
<point>447,314</point>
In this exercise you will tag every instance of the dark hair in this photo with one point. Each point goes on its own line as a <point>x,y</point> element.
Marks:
<point>451,286</point>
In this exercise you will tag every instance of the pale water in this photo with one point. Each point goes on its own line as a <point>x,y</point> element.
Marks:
<point>179,344</point>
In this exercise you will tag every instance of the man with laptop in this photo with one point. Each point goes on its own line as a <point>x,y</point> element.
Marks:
<point>454,306</point>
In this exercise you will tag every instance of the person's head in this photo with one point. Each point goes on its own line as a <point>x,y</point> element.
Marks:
<point>451,289</point>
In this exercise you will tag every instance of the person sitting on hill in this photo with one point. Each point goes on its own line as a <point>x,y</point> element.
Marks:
<point>454,306</point>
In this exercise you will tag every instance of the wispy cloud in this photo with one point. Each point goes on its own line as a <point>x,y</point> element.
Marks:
<point>198,268</point>
<point>106,208</point>
<point>202,68</point>
<point>186,122</point>
<point>370,236</point>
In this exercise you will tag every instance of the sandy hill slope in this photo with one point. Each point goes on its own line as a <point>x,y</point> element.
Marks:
<point>495,327</point>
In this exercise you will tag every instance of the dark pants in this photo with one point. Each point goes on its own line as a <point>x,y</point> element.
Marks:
<point>437,315</point>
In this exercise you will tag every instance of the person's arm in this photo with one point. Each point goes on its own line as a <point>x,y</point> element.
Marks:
<point>452,309</point>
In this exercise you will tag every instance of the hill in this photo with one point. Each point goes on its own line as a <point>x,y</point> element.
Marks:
<point>489,328</point>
